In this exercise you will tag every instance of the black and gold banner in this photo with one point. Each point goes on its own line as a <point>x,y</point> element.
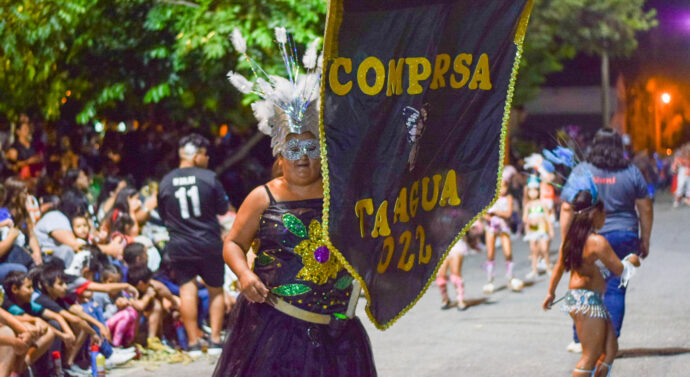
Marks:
<point>415,101</point>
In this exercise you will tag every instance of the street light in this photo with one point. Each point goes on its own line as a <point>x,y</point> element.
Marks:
<point>666,98</point>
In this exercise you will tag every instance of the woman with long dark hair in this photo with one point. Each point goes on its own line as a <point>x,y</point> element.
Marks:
<point>629,214</point>
<point>126,203</point>
<point>15,200</point>
<point>590,260</point>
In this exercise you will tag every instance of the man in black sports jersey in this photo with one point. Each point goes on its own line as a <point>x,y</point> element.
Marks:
<point>190,199</point>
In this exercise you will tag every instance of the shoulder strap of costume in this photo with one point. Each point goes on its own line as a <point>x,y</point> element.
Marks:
<point>270,196</point>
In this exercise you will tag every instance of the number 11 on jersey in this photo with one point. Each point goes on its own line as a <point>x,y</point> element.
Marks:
<point>193,193</point>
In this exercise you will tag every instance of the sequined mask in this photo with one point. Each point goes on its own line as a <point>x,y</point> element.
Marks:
<point>295,149</point>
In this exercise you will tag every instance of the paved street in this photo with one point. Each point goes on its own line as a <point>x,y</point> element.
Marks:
<point>509,335</point>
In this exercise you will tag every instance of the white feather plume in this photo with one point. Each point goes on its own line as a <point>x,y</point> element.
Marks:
<point>265,87</point>
<point>263,112</point>
<point>307,86</point>
<point>240,82</point>
<point>238,41</point>
<point>284,90</point>
<point>281,35</point>
<point>319,62</point>
<point>310,56</point>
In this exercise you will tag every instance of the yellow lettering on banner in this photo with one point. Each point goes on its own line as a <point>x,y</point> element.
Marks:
<point>388,249</point>
<point>415,75</point>
<point>429,204</point>
<point>406,263</point>
<point>414,198</point>
<point>381,227</point>
<point>424,250</point>
<point>400,210</point>
<point>395,72</point>
<point>449,194</point>
<point>461,69</point>
<point>336,86</point>
<point>360,207</point>
<point>441,66</point>
<point>481,74</point>
<point>380,72</point>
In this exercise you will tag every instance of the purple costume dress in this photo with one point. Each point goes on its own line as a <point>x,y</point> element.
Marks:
<point>296,266</point>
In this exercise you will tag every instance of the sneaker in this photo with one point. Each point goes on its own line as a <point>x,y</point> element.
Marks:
<point>574,347</point>
<point>489,288</point>
<point>516,285</point>
<point>118,358</point>
<point>462,306</point>
<point>75,371</point>
<point>446,305</point>
<point>125,350</point>
<point>531,276</point>
<point>214,349</point>
<point>195,350</point>
<point>541,266</point>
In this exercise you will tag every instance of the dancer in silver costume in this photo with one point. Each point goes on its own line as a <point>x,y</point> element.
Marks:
<point>589,258</point>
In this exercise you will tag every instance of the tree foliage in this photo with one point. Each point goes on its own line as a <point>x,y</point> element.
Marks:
<point>163,60</point>
<point>559,29</point>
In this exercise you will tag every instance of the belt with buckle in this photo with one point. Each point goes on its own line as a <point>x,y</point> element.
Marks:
<point>322,319</point>
<point>280,305</point>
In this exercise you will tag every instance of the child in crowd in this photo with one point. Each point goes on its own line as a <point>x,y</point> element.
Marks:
<point>52,293</point>
<point>120,316</point>
<point>154,302</point>
<point>137,254</point>
<point>454,262</point>
<point>497,218</point>
<point>13,348</point>
<point>123,230</point>
<point>590,259</point>
<point>538,227</point>
<point>111,303</point>
<point>82,230</point>
<point>29,347</point>
<point>18,301</point>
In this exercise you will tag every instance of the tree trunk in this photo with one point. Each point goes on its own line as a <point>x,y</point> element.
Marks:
<point>605,89</point>
<point>241,153</point>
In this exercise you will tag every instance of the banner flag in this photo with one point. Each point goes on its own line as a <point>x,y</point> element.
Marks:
<point>415,102</point>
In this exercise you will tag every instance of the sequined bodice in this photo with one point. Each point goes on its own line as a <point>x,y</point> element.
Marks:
<point>294,262</point>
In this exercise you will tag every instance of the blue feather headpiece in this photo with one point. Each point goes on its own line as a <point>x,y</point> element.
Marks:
<point>581,179</point>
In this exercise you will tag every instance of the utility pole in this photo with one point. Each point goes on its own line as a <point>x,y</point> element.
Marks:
<point>605,89</point>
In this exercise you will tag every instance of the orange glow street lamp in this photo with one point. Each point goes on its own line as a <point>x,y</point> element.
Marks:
<point>665,100</point>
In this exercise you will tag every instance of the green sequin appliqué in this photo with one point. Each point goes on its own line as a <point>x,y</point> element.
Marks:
<point>344,282</point>
<point>291,290</point>
<point>262,259</point>
<point>295,225</point>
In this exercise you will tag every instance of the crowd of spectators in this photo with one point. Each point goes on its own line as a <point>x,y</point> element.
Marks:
<point>81,246</point>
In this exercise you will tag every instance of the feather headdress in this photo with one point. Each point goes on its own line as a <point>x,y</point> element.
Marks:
<point>288,105</point>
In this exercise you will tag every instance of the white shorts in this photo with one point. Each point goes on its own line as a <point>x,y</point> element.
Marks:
<point>459,249</point>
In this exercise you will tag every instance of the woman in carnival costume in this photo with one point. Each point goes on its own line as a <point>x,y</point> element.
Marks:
<point>453,263</point>
<point>295,314</point>
<point>497,227</point>
<point>590,260</point>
